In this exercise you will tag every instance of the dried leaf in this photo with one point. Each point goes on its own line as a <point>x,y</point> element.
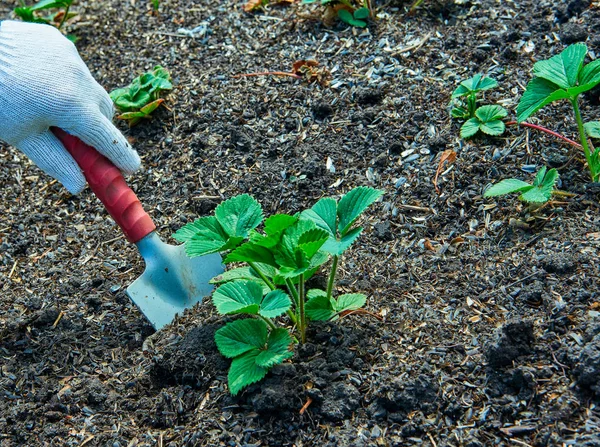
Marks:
<point>310,71</point>
<point>252,5</point>
<point>427,244</point>
<point>447,156</point>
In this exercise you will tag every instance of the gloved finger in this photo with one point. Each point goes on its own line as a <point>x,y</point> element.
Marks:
<point>48,153</point>
<point>107,107</point>
<point>98,131</point>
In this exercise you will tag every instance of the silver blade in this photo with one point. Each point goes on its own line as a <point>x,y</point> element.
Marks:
<point>171,282</point>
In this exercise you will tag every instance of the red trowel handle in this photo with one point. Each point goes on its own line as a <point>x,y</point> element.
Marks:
<point>107,182</point>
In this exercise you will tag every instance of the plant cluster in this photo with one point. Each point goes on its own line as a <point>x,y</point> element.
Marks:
<point>347,11</point>
<point>140,98</point>
<point>34,13</point>
<point>564,76</point>
<point>278,262</point>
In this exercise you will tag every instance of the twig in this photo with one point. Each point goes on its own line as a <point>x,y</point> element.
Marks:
<point>548,131</point>
<point>268,73</point>
<point>415,46</point>
<point>306,405</point>
<point>60,315</point>
<point>12,270</point>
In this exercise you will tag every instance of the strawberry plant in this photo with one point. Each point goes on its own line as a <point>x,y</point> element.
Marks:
<point>278,259</point>
<point>565,76</point>
<point>140,98</point>
<point>539,192</point>
<point>347,11</point>
<point>487,119</point>
<point>33,13</point>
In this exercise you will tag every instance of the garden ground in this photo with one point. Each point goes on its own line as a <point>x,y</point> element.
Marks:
<point>487,330</point>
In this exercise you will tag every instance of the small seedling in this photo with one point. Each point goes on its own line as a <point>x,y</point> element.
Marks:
<point>565,76</point>
<point>539,192</point>
<point>138,100</point>
<point>347,12</point>
<point>466,95</point>
<point>155,5</point>
<point>58,19</point>
<point>279,260</point>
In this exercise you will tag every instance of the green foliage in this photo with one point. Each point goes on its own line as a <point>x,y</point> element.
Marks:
<point>280,258</point>
<point>592,129</point>
<point>155,5</point>
<point>140,98</point>
<point>565,76</point>
<point>350,13</point>
<point>487,119</point>
<point>34,13</point>
<point>539,192</point>
<point>464,98</point>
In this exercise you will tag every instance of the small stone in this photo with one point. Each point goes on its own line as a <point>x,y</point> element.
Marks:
<point>573,32</point>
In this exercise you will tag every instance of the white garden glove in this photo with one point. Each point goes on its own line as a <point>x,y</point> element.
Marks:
<point>44,83</point>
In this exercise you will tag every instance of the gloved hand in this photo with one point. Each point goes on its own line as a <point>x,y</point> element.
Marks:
<point>44,83</point>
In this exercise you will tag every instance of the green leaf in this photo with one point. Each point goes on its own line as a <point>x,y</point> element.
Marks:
<point>244,371</point>
<point>151,107</point>
<point>592,129</point>
<point>47,4</point>
<point>237,297</point>
<point>204,236</point>
<point>352,205</point>
<point>277,349</point>
<point>239,215</point>
<point>345,16</point>
<point>241,336</point>
<point>250,252</point>
<point>274,304</point>
<point>539,92</point>
<point>490,113</point>
<point>562,69</point>
<point>473,85</point>
<point>362,13</point>
<point>336,248</point>
<point>459,112</point>
<point>493,127</point>
<point>507,186</point>
<point>543,186</point>
<point>245,273</point>
<point>312,240</point>
<point>324,215</point>
<point>318,307</point>
<point>358,23</point>
<point>128,102</point>
<point>589,76</point>
<point>469,128</point>
<point>350,301</point>
<point>539,177</point>
<point>278,223</point>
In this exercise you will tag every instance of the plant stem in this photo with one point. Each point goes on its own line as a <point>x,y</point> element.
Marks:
<point>267,281</point>
<point>584,143</point>
<point>331,281</point>
<point>268,321</point>
<point>64,19</point>
<point>543,129</point>
<point>292,288</point>
<point>301,308</point>
<point>472,105</point>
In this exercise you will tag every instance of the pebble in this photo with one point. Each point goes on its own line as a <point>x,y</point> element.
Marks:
<point>529,168</point>
<point>412,157</point>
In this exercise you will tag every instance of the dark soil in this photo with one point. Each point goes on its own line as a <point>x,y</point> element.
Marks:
<point>490,330</point>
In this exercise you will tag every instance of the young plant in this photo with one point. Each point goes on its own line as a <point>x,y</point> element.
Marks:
<point>565,76</point>
<point>279,260</point>
<point>487,119</point>
<point>466,95</point>
<point>155,5</point>
<point>58,19</point>
<point>347,11</point>
<point>140,98</point>
<point>539,192</point>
